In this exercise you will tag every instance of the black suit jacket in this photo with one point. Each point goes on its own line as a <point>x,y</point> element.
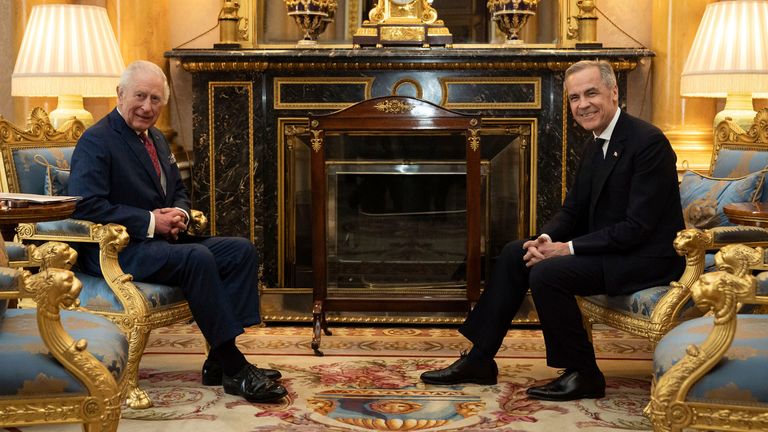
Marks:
<point>626,208</point>
<point>113,173</point>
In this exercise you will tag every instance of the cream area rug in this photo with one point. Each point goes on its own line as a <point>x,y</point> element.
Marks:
<point>368,380</point>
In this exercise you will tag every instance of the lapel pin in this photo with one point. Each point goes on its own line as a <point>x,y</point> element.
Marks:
<point>615,154</point>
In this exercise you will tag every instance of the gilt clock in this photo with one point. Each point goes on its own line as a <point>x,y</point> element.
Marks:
<point>404,23</point>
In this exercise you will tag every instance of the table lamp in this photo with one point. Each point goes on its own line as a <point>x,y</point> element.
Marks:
<point>729,58</point>
<point>70,52</point>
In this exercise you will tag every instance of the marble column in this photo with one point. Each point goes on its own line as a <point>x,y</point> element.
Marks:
<point>687,122</point>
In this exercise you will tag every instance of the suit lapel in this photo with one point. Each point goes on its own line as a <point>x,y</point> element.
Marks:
<point>133,142</point>
<point>603,169</point>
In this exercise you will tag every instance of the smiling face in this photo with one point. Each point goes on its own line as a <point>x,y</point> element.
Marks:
<point>141,100</point>
<point>593,103</point>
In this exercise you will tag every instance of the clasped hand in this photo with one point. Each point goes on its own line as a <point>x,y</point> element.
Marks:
<point>169,222</point>
<point>542,248</point>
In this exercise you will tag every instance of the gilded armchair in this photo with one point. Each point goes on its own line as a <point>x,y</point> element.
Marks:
<point>711,372</point>
<point>36,160</point>
<point>739,160</point>
<point>66,364</point>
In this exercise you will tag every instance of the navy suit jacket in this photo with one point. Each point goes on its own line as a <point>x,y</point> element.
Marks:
<point>625,208</point>
<point>112,172</point>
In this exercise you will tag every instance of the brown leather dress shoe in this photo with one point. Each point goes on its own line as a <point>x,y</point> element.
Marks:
<point>253,386</point>
<point>462,371</point>
<point>571,385</point>
<point>212,373</point>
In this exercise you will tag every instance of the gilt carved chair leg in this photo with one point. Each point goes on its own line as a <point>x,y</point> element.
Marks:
<point>135,397</point>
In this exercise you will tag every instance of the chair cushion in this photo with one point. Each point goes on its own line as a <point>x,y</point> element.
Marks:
<point>31,175</point>
<point>17,251</point>
<point>640,304</point>
<point>9,281</point>
<point>739,377</point>
<point>703,198</point>
<point>732,163</point>
<point>64,227</point>
<point>97,296</point>
<point>56,181</point>
<point>35,371</point>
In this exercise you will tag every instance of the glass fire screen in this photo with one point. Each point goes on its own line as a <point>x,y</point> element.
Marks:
<point>396,210</point>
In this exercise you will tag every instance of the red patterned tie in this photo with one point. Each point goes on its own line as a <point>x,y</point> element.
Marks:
<point>152,152</point>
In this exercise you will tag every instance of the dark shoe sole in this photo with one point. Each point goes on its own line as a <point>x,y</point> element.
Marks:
<point>566,398</point>
<point>209,380</point>
<point>257,398</point>
<point>216,380</point>
<point>481,381</point>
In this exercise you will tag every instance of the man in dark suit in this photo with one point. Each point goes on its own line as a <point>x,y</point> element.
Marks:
<point>613,235</point>
<point>123,169</point>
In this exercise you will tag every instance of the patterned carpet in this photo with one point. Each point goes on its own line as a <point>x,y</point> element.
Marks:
<point>368,380</point>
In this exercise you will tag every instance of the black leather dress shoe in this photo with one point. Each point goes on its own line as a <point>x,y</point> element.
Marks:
<point>253,385</point>
<point>212,373</point>
<point>571,385</point>
<point>462,371</point>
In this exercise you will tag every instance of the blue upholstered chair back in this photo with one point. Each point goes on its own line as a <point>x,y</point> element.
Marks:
<point>738,153</point>
<point>26,153</point>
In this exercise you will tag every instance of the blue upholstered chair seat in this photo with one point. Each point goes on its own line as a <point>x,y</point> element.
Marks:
<point>28,369</point>
<point>98,296</point>
<point>17,251</point>
<point>65,227</point>
<point>640,304</point>
<point>741,375</point>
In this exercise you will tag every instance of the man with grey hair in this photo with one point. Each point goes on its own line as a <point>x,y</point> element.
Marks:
<point>123,169</point>
<point>613,235</point>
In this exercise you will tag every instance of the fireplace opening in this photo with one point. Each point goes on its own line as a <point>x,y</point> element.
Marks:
<point>395,224</point>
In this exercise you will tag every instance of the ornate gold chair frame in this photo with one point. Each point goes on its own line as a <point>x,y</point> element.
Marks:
<point>668,309</point>
<point>138,316</point>
<point>99,408</point>
<point>721,293</point>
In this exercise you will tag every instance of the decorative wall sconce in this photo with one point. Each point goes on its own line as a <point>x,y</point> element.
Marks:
<point>312,17</point>
<point>511,16</point>
<point>583,27</point>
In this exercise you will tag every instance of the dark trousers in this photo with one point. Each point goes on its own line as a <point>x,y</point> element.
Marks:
<point>219,278</point>
<point>554,283</point>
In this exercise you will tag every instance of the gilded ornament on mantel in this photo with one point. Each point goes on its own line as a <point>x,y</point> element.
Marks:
<point>402,23</point>
<point>511,16</point>
<point>312,17</point>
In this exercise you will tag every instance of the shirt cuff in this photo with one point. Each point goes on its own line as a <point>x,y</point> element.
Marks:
<point>186,221</point>
<point>570,247</point>
<point>151,227</point>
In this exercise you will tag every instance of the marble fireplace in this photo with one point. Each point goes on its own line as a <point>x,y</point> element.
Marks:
<point>251,147</point>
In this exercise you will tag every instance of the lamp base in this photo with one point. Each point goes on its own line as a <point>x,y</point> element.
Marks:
<point>69,107</point>
<point>738,107</point>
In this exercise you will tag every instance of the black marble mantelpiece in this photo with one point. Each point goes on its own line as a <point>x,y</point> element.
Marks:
<point>241,97</point>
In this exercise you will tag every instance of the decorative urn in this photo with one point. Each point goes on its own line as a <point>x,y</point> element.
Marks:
<point>511,16</point>
<point>312,17</point>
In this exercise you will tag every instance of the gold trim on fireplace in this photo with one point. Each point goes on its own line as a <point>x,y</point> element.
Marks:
<point>212,86</point>
<point>366,82</point>
<point>446,83</point>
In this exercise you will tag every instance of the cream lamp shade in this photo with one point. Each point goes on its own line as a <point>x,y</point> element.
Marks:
<point>729,58</point>
<point>70,52</point>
